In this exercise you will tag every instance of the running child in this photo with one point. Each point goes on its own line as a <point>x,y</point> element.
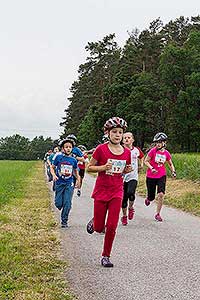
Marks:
<point>110,160</point>
<point>47,165</point>
<point>156,172</point>
<point>81,166</point>
<point>63,168</point>
<point>50,161</point>
<point>131,179</point>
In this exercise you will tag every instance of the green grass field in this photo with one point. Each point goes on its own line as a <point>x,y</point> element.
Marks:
<point>13,173</point>
<point>187,166</point>
<point>30,268</point>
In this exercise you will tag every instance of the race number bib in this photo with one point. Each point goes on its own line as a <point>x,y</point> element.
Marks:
<point>117,166</point>
<point>66,170</point>
<point>160,159</point>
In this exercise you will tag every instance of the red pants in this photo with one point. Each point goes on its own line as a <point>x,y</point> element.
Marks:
<point>101,208</point>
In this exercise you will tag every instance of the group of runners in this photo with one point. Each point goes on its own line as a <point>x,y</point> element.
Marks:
<point>117,162</point>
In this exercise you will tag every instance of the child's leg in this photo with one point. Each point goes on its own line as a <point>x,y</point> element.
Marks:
<point>67,201</point>
<point>132,184</point>
<point>114,207</point>
<point>81,173</point>
<point>59,196</point>
<point>151,188</point>
<point>161,193</point>
<point>50,177</point>
<point>160,199</point>
<point>125,200</point>
<point>100,210</point>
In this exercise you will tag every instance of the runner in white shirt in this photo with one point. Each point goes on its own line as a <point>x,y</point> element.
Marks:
<point>131,179</point>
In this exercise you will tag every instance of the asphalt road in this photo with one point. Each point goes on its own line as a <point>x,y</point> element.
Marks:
<point>151,260</point>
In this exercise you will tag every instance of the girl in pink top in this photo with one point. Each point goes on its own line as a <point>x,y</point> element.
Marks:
<point>156,172</point>
<point>110,160</point>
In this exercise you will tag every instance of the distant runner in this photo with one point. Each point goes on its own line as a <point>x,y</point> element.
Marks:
<point>63,168</point>
<point>81,166</point>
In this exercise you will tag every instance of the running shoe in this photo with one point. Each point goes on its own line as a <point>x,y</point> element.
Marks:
<point>105,262</point>
<point>158,218</point>
<point>78,193</point>
<point>131,212</point>
<point>124,220</point>
<point>64,225</point>
<point>90,226</point>
<point>147,202</point>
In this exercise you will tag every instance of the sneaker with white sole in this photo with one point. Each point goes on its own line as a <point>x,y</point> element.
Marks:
<point>90,226</point>
<point>64,225</point>
<point>105,262</point>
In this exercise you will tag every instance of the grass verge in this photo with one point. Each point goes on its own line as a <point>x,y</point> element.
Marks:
<point>29,243</point>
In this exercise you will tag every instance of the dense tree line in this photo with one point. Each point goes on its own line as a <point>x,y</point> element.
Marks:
<point>18,147</point>
<point>153,82</point>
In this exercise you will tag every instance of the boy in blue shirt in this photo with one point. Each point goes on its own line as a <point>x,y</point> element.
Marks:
<point>63,168</point>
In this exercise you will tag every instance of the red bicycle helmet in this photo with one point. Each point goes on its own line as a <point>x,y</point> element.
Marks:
<point>115,122</point>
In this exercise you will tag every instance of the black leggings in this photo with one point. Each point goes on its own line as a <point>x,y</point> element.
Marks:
<point>152,183</point>
<point>129,192</point>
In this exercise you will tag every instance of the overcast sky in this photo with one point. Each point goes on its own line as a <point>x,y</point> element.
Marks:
<point>42,44</point>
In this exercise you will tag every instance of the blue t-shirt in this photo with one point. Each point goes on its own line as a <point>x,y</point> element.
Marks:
<point>65,165</point>
<point>76,152</point>
<point>51,157</point>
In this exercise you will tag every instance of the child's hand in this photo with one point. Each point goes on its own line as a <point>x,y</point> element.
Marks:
<point>128,169</point>
<point>174,174</point>
<point>55,178</point>
<point>154,171</point>
<point>108,166</point>
<point>78,183</point>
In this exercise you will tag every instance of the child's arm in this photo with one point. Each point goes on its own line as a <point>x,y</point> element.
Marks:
<point>172,168</point>
<point>141,160</point>
<point>91,167</point>
<point>147,163</point>
<point>78,182</point>
<point>80,158</point>
<point>52,169</point>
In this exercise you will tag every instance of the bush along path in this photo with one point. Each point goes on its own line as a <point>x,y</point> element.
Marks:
<point>29,241</point>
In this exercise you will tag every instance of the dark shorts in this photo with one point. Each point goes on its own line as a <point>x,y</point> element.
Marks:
<point>152,184</point>
<point>82,173</point>
<point>129,192</point>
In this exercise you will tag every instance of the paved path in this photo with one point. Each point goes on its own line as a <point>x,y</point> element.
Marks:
<point>151,260</point>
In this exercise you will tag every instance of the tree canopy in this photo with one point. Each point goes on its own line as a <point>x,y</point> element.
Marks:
<point>153,82</point>
<point>18,147</point>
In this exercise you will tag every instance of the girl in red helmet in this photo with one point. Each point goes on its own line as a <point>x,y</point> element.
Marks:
<point>110,160</point>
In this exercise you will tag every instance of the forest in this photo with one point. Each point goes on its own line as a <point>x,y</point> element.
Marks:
<point>153,82</point>
<point>17,147</point>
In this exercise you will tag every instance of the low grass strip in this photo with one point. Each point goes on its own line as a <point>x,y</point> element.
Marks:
<point>29,243</point>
